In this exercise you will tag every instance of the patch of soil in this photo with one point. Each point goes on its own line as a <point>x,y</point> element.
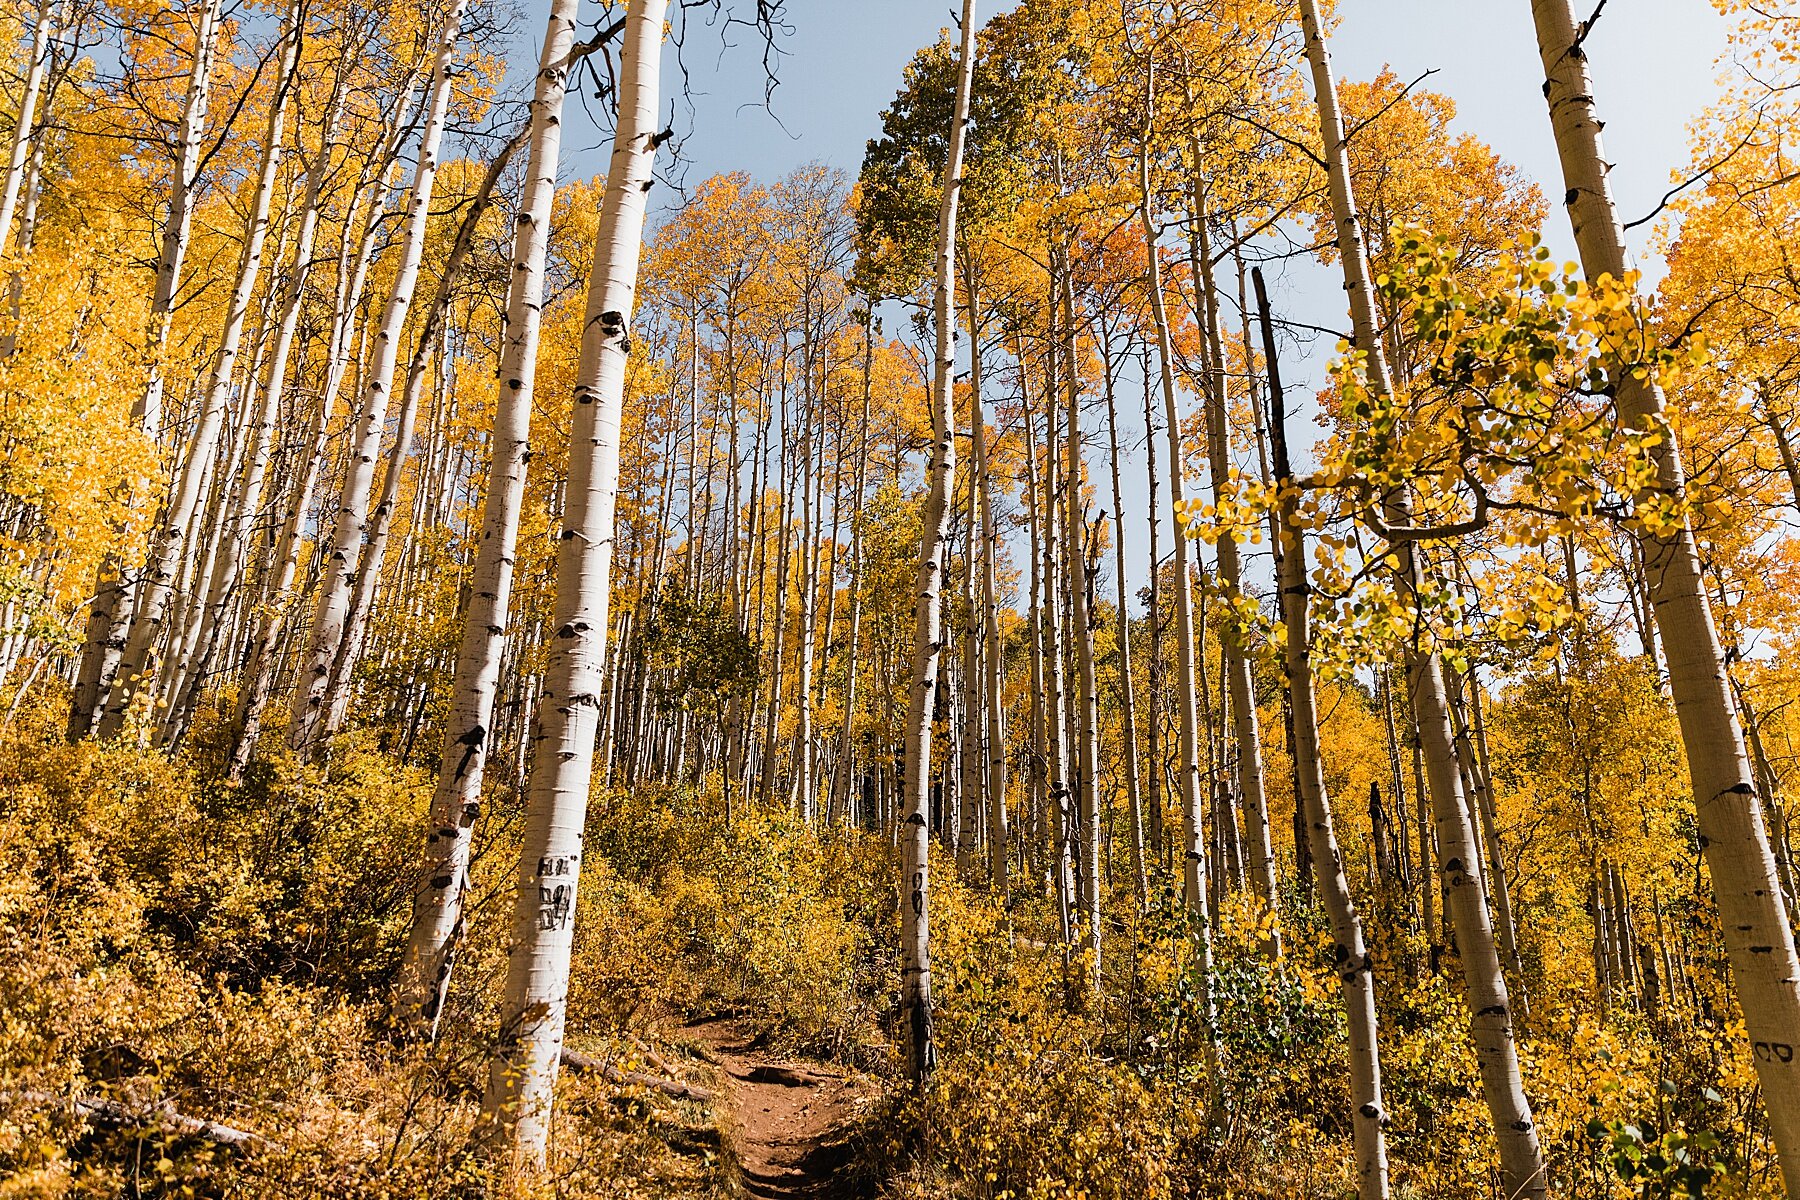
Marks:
<point>788,1120</point>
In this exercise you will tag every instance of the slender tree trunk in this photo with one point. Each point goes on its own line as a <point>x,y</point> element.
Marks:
<point>171,543</point>
<point>1521,1159</point>
<point>1185,672</point>
<point>843,771</point>
<point>1087,727</point>
<point>1758,939</point>
<point>1350,954</point>
<point>992,650</point>
<point>516,1108</point>
<point>1128,731</point>
<point>368,573</point>
<point>230,566</point>
<point>18,161</point>
<point>1245,728</point>
<point>927,641</point>
<point>312,698</point>
<point>110,615</point>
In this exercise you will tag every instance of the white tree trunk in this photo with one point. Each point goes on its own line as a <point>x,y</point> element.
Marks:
<point>381,522</point>
<point>179,219</point>
<point>1491,1028</point>
<point>516,1107</point>
<point>928,633</point>
<point>1350,954</point>
<point>109,617</point>
<point>1194,853</point>
<point>1246,728</point>
<point>170,546</point>
<point>992,651</point>
<point>1087,730</point>
<point>18,162</point>
<point>1758,938</point>
<point>1128,727</point>
<point>311,698</point>
<point>468,737</point>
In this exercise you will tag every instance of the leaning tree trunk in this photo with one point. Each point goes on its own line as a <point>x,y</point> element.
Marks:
<point>516,1107</point>
<point>170,546</point>
<point>1758,938</point>
<point>928,622</point>
<point>381,522</point>
<point>437,904</point>
<point>312,699</point>
<point>1490,1008</point>
<point>1350,954</point>
<point>229,567</point>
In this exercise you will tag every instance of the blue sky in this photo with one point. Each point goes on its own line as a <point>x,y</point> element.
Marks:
<point>1654,62</point>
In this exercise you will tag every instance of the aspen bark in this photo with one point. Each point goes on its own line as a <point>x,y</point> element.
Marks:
<point>1245,726</point>
<point>171,543</point>
<point>1193,851</point>
<point>1758,939</point>
<point>1491,1028</point>
<point>843,770</point>
<point>110,615</point>
<point>229,567</point>
<point>1086,732</point>
<point>179,219</point>
<point>368,572</point>
<point>992,650</point>
<point>928,622</point>
<point>17,162</point>
<point>1127,688</point>
<point>312,697</point>
<point>516,1107</point>
<point>1350,953</point>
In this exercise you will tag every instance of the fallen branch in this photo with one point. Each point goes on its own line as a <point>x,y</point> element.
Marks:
<point>117,1114</point>
<point>577,1061</point>
<point>652,1057</point>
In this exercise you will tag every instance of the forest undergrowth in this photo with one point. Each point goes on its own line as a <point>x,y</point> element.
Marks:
<point>177,950</point>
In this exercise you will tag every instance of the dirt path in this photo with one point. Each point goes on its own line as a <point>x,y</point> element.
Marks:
<point>787,1120</point>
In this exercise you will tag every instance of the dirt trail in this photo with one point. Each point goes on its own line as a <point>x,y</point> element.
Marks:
<point>788,1120</point>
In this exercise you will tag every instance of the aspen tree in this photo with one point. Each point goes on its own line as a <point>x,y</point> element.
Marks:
<point>1758,939</point>
<point>516,1106</point>
<point>1087,696</point>
<point>279,597</point>
<point>992,650</point>
<point>1186,685</point>
<point>23,139</point>
<point>368,572</point>
<point>229,567</point>
<point>110,614</point>
<point>1128,730</point>
<point>1245,727</point>
<point>927,638</point>
<point>1350,953</point>
<point>177,224</point>
<point>437,904</point>
<point>843,770</point>
<point>1491,1028</point>
<point>170,546</point>
<point>312,699</point>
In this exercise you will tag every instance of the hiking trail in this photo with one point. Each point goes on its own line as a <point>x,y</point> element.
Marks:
<point>788,1120</point>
